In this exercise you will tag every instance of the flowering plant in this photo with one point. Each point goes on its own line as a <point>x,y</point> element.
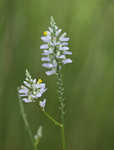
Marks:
<point>55,55</point>
<point>55,49</point>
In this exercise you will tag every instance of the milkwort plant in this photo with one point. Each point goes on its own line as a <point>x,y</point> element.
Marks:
<point>54,56</point>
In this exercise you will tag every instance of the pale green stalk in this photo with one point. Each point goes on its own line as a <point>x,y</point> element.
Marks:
<point>27,124</point>
<point>52,119</point>
<point>26,121</point>
<point>60,89</point>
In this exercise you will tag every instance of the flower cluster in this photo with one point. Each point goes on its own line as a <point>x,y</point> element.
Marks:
<point>31,90</point>
<point>55,49</point>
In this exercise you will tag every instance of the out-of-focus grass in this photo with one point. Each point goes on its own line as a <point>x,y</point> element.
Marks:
<point>89,81</point>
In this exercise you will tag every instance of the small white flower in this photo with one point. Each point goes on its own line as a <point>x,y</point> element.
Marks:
<point>50,30</point>
<point>27,100</point>
<point>66,61</point>
<point>58,32</point>
<point>61,56</point>
<point>51,72</point>
<point>45,59</point>
<point>67,53</point>
<point>46,39</point>
<point>27,84</point>
<point>64,39</point>
<point>47,52</point>
<point>47,65</point>
<point>44,46</point>
<point>64,43</point>
<point>55,49</point>
<point>42,103</point>
<point>23,90</point>
<point>32,89</point>
<point>64,48</point>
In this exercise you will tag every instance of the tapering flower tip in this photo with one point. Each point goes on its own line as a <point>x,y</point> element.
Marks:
<point>52,21</point>
<point>38,134</point>
<point>55,48</point>
<point>32,89</point>
<point>42,103</point>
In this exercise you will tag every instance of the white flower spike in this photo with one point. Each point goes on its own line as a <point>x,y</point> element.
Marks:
<point>31,89</point>
<point>55,49</point>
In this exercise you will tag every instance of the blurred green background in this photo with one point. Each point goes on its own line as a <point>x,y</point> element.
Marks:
<point>89,81</point>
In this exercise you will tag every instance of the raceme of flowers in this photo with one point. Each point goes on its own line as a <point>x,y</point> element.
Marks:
<point>55,49</point>
<point>31,90</point>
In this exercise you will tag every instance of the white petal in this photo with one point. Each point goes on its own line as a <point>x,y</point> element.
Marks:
<point>50,29</point>
<point>47,52</point>
<point>61,56</point>
<point>67,61</point>
<point>46,38</point>
<point>64,39</point>
<point>48,73</point>
<point>33,96</point>
<point>53,43</point>
<point>27,100</point>
<point>34,81</point>
<point>56,27</point>
<point>57,43</point>
<point>63,35</point>
<point>51,50</point>
<point>58,32</point>
<point>64,43</point>
<point>47,65</point>
<point>23,95</point>
<point>45,59</point>
<point>23,91</point>
<point>34,86</point>
<point>44,46</point>
<point>67,53</point>
<point>38,94</point>
<point>41,85</point>
<point>64,48</point>
<point>42,90</point>
<point>27,84</point>
<point>42,103</point>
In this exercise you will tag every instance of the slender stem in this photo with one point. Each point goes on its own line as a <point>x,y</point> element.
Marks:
<point>60,88</point>
<point>63,138</point>
<point>35,147</point>
<point>52,119</point>
<point>27,125</point>
<point>26,122</point>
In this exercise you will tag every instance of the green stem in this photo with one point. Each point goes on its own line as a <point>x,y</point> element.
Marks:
<point>35,148</point>
<point>60,88</point>
<point>63,138</point>
<point>26,121</point>
<point>27,124</point>
<point>52,119</point>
